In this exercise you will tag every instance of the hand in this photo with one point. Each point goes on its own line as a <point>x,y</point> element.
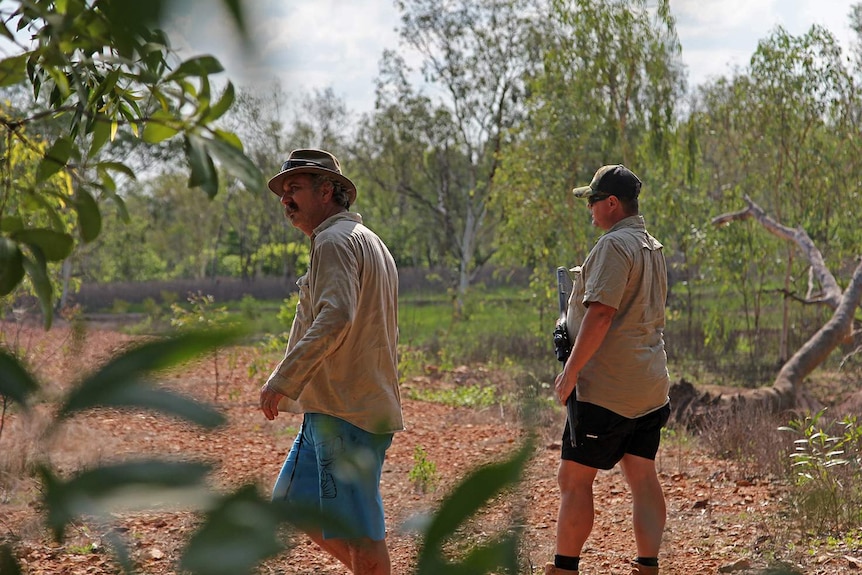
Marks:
<point>563,388</point>
<point>269,402</point>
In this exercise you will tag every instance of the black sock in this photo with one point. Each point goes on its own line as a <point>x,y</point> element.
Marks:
<point>566,562</point>
<point>648,561</point>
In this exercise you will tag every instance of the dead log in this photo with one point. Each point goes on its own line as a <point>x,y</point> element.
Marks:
<point>787,391</point>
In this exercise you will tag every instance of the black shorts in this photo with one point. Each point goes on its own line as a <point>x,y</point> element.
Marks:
<point>604,436</point>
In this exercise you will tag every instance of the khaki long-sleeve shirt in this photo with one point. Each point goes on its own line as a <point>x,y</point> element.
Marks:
<point>341,357</point>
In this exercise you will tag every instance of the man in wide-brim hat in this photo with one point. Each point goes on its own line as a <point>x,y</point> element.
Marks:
<point>340,366</point>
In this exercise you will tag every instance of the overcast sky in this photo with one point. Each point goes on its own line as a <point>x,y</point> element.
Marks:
<point>308,44</point>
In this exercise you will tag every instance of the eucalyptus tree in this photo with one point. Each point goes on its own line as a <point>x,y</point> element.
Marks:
<point>99,69</point>
<point>610,82</point>
<point>856,25</point>
<point>271,123</point>
<point>393,157</point>
<point>444,161</point>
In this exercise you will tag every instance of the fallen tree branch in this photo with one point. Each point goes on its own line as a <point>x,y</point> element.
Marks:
<point>830,290</point>
<point>787,391</point>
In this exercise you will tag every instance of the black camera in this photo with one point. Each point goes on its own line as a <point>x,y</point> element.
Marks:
<point>562,343</point>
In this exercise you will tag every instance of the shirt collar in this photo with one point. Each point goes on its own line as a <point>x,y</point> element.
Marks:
<point>332,220</point>
<point>636,221</point>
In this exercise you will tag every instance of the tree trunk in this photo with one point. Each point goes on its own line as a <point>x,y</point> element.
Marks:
<point>67,276</point>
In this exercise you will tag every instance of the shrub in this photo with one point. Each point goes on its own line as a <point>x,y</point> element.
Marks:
<point>826,462</point>
<point>203,314</point>
<point>423,475</point>
<point>746,435</point>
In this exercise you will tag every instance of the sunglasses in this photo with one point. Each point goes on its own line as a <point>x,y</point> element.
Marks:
<point>301,163</point>
<point>597,198</point>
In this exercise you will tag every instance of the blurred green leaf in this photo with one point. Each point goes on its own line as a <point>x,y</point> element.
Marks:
<point>96,491</point>
<point>502,553</point>
<point>16,384</point>
<point>124,380</point>
<point>105,86</point>
<point>4,31</point>
<point>222,106</point>
<point>203,172</point>
<point>142,395</point>
<point>13,70</point>
<point>235,9</point>
<point>49,206</point>
<point>238,533</point>
<point>236,162</point>
<point>160,127</point>
<point>201,66</point>
<point>8,564</point>
<point>241,530</point>
<point>11,266</point>
<point>11,224</point>
<point>55,159</point>
<point>37,269</point>
<point>117,167</point>
<point>122,210</point>
<point>101,134</point>
<point>89,216</point>
<point>468,497</point>
<point>55,246</point>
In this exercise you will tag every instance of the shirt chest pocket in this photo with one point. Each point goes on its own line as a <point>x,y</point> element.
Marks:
<point>304,310</point>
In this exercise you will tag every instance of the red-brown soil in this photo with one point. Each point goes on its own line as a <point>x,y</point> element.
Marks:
<point>718,521</point>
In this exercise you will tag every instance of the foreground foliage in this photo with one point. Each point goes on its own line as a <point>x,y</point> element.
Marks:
<point>238,530</point>
<point>91,78</point>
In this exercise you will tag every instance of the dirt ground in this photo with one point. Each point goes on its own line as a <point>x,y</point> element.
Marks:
<point>718,520</point>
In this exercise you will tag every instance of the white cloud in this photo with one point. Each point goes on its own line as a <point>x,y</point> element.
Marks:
<point>718,36</point>
<point>318,44</point>
<point>304,44</point>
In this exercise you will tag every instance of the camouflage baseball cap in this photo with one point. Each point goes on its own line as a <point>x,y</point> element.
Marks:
<point>614,180</point>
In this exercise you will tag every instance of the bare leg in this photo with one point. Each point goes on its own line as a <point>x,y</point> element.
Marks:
<point>649,512</point>
<point>338,548</point>
<point>575,519</point>
<point>361,556</point>
<point>370,557</point>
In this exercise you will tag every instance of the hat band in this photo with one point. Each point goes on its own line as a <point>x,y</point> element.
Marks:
<point>290,164</point>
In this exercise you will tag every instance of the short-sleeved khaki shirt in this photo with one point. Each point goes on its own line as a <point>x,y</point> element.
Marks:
<point>625,270</point>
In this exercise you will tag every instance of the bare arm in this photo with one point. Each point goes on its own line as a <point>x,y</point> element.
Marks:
<point>594,328</point>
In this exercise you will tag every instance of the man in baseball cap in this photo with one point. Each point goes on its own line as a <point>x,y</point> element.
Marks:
<point>617,370</point>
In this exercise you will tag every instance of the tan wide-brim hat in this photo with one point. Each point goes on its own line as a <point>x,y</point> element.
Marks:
<point>306,161</point>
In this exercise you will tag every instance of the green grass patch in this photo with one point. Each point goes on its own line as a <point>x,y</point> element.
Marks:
<point>493,328</point>
<point>474,396</point>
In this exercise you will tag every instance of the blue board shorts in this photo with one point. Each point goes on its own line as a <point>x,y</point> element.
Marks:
<point>336,466</point>
<point>604,437</point>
